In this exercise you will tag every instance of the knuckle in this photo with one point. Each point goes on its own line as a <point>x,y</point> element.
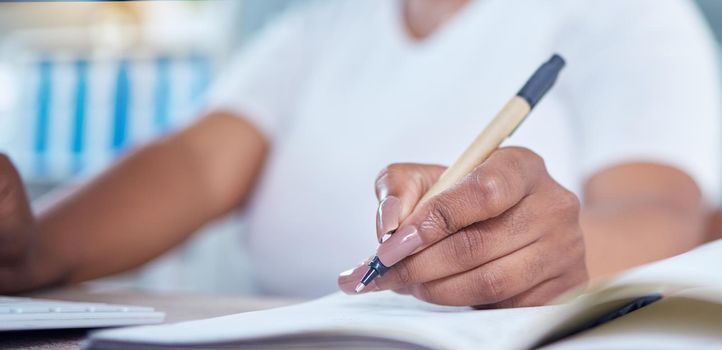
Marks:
<point>440,218</point>
<point>490,285</point>
<point>490,189</point>
<point>525,155</point>
<point>567,202</point>
<point>536,161</point>
<point>465,249</point>
<point>570,200</point>
<point>514,158</point>
<point>524,160</point>
<point>518,222</point>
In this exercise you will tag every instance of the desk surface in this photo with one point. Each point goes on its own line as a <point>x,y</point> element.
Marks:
<point>178,307</point>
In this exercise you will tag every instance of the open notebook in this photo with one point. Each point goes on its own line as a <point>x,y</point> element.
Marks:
<point>388,321</point>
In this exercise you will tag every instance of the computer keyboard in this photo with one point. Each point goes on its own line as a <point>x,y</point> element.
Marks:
<point>31,313</point>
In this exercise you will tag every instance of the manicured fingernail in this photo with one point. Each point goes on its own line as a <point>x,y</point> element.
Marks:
<point>402,243</point>
<point>349,279</point>
<point>388,216</point>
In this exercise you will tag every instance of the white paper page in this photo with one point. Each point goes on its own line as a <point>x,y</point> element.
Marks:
<point>404,318</point>
<point>699,267</point>
<point>382,314</point>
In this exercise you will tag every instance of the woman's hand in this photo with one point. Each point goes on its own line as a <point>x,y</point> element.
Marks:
<point>17,232</point>
<point>507,235</point>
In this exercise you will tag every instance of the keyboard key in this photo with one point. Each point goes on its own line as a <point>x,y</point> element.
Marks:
<point>30,310</point>
<point>137,309</point>
<point>69,308</point>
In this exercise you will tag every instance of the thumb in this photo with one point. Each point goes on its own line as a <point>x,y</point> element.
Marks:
<point>398,188</point>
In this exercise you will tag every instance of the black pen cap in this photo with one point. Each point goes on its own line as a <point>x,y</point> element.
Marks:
<point>542,80</point>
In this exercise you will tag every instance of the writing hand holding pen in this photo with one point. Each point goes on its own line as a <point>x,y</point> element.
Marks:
<point>506,235</point>
<point>492,230</point>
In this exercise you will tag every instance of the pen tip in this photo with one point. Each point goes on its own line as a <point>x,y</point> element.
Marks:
<point>360,287</point>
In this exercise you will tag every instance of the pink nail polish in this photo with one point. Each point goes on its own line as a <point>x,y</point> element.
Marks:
<point>388,216</point>
<point>349,279</point>
<point>402,243</point>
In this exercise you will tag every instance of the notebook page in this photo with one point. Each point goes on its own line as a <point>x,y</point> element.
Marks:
<point>699,267</point>
<point>693,268</point>
<point>380,314</point>
<point>383,314</point>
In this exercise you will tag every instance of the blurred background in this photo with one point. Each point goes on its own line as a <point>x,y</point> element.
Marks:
<point>81,83</point>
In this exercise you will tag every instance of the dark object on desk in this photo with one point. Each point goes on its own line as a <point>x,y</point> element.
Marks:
<point>611,316</point>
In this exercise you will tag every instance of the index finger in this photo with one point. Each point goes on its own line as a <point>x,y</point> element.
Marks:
<point>398,188</point>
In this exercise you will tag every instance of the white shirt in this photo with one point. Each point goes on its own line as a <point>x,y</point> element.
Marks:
<point>341,90</point>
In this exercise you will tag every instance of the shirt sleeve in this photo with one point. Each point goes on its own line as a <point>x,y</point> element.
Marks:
<point>643,81</point>
<point>263,81</point>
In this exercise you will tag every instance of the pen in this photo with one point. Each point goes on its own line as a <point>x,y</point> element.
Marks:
<point>502,126</point>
